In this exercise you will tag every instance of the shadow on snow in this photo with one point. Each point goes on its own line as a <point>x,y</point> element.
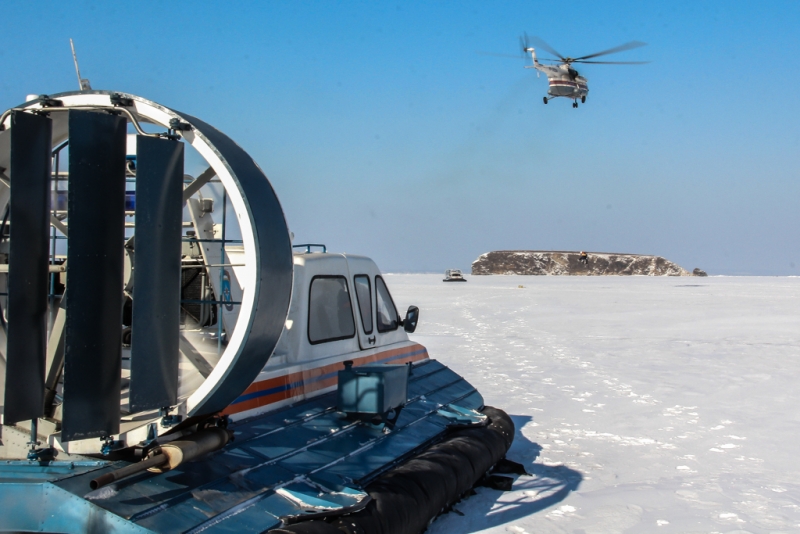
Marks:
<point>547,486</point>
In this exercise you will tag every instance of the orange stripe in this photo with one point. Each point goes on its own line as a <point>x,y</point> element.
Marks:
<point>305,383</point>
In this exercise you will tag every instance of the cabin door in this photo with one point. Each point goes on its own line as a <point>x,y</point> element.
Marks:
<point>362,273</point>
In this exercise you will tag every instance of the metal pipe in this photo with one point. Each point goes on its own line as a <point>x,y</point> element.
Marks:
<point>50,268</point>
<point>308,246</point>
<point>103,480</point>
<point>56,151</point>
<point>221,271</point>
<point>51,312</point>
<point>133,119</point>
<point>200,266</point>
<point>194,240</point>
<point>133,225</point>
<point>128,213</point>
<point>198,301</point>
<point>172,455</point>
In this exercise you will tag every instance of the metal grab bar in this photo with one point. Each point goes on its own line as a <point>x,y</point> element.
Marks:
<point>308,246</point>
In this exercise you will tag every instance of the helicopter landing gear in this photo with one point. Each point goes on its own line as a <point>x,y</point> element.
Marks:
<point>545,99</point>
<point>575,104</point>
<point>583,99</point>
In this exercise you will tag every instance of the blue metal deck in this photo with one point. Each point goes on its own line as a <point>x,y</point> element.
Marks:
<point>298,460</point>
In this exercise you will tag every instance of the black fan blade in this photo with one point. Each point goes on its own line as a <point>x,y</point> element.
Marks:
<point>546,47</point>
<point>620,48</point>
<point>612,62</point>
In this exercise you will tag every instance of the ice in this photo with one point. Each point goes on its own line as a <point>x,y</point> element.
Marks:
<point>641,403</point>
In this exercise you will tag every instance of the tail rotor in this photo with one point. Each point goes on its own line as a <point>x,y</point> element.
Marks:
<point>524,44</point>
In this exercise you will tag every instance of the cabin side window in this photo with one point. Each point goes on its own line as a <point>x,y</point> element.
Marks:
<point>387,313</point>
<point>330,315</point>
<point>363,292</point>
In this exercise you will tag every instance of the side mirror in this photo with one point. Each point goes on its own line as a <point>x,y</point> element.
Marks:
<point>412,317</point>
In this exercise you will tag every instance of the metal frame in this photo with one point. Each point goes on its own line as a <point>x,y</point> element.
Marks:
<point>266,278</point>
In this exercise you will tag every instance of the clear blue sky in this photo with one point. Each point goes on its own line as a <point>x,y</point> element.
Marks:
<point>385,134</point>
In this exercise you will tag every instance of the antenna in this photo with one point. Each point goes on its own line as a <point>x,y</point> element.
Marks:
<point>83,83</point>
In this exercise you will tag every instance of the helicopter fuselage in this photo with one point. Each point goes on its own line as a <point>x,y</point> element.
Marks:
<point>564,80</point>
<point>565,83</point>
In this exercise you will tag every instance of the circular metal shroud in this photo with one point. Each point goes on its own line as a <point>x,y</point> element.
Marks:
<point>267,284</point>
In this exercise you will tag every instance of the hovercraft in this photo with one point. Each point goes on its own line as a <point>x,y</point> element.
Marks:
<point>453,275</point>
<point>172,363</point>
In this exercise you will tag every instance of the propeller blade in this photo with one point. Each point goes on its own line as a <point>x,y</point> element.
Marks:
<point>496,55</point>
<point>612,62</point>
<point>539,42</point>
<point>620,48</point>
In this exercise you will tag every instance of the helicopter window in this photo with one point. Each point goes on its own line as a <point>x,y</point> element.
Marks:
<point>363,291</point>
<point>387,313</point>
<point>330,314</point>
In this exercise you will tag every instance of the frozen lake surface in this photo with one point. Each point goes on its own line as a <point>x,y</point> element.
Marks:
<point>641,404</point>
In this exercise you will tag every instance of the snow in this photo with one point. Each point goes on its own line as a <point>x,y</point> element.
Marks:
<point>642,404</point>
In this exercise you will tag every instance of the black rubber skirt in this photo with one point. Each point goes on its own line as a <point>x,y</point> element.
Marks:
<point>407,498</point>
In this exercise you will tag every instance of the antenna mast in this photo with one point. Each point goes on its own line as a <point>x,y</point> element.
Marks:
<point>83,83</point>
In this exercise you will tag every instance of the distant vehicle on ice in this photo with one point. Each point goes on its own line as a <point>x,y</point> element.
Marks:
<point>453,275</point>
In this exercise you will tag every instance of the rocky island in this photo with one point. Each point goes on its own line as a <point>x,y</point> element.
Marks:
<point>561,263</point>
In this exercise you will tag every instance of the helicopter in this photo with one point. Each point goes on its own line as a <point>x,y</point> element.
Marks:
<point>564,80</point>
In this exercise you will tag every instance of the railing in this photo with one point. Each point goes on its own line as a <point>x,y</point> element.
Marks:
<point>308,246</point>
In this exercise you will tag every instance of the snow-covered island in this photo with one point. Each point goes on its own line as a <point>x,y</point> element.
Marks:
<point>570,263</point>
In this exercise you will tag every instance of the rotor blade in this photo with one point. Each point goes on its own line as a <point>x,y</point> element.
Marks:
<point>612,62</point>
<point>544,46</point>
<point>496,54</point>
<point>620,48</point>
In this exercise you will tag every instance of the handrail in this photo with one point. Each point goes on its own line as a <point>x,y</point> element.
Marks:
<point>308,246</point>
<point>111,107</point>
